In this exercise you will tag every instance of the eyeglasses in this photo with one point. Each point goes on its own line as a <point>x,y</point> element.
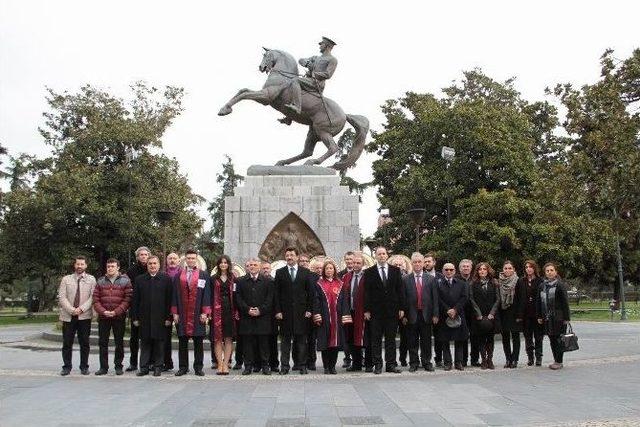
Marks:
<point>449,269</point>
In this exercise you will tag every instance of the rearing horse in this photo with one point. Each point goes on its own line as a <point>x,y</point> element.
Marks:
<point>324,116</point>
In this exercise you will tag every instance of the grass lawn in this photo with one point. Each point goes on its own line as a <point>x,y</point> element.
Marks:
<point>19,319</point>
<point>594,311</point>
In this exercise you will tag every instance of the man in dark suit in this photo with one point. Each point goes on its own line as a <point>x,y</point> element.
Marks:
<point>383,306</point>
<point>348,262</point>
<point>254,298</point>
<point>422,305</point>
<point>430,269</point>
<point>312,354</point>
<point>294,304</point>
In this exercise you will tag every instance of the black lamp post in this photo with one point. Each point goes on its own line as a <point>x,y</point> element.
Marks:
<point>448,154</point>
<point>164,216</point>
<point>417,216</point>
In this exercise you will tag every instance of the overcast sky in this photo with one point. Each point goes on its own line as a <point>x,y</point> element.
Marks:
<point>212,49</point>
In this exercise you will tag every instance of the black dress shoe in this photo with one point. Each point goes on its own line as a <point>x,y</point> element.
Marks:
<point>429,367</point>
<point>166,369</point>
<point>459,367</point>
<point>530,361</point>
<point>464,364</point>
<point>326,371</point>
<point>275,369</point>
<point>475,363</point>
<point>142,373</point>
<point>377,370</point>
<point>538,362</point>
<point>514,365</point>
<point>393,370</point>
<point>403,363</point>
<point>131,368</point>
<point>311,367</point>
<point>84,371</point>
<point>119,371</point>
<point>266,371</point>
<point>237,366</point>
<point>65,371</point>
<point>157,372</point>
<point>257,369</point>
<point>439,364</point>
<point>353,368</point>
<point>247,371</point>
<point>101,371</point>
<point>332,371</point>
<point>199,372</point>
<point>284,371</point>
<point>368,369</point>
<point>304,371</point>
<point>181,372</point>
<point>413,368</point>
<point>447,366</point>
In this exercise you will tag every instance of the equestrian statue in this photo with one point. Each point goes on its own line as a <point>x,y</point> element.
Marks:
<point>300,99</point>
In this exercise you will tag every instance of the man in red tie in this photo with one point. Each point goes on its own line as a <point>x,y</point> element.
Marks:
<point>421,300</point>
<point>75,299</point>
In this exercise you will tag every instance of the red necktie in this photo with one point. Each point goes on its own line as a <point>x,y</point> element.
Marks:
<point>419,291</point>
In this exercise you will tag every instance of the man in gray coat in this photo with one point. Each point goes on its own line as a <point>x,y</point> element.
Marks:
<point>421,298</point>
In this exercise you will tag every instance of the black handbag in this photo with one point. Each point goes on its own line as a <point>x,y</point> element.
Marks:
<point>569,340</point>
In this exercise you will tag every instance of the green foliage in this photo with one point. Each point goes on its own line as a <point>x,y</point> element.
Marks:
<point>229,180</point>
<point>87,198</point>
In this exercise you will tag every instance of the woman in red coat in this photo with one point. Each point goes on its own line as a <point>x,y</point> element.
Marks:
<point>223,321</point>
<point>327,317</point>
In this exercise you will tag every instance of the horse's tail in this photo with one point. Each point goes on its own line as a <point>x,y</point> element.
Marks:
<point>361,126</point>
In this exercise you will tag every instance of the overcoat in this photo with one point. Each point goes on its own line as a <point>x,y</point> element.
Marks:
<point>152,305</point>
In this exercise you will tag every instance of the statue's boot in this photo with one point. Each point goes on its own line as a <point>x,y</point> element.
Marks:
<point>285,120</point>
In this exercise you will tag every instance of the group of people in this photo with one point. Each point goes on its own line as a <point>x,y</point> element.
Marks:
<point>308,307</point>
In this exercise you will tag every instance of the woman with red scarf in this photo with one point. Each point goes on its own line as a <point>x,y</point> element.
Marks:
<point>330,333</point>
<point>223,321</point>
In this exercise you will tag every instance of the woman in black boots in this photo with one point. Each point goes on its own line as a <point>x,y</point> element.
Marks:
<point>485,302</point>
<point>553,311</point>
<point>533,331</point>
<point>511,313</point>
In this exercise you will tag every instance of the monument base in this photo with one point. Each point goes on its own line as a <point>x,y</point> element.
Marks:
<point>281,206</point>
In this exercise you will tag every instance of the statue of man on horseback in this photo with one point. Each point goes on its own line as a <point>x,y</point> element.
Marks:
<point>301,100</point>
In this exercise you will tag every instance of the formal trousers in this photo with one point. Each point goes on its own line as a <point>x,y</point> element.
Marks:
<point>329,358</point>
<point>419,337</point>
<point>168,356</point>
<point>256,351</point>
<point>105,326</point>
<point>511,355</point>
<point>81,328</point>
<point>151,349</point>
<point>312,354</point>
<point>300,349</point>
<point>446,352</point>
<point>533,336</point>
<point>183,352</point>
<point>134,345</point>
<point>273,351</point>
<point>556,345</point>
<point>387,328</point>
<point>486,345</point>
<point>403,348</point>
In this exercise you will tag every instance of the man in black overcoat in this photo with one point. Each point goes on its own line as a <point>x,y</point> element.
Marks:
<point>151,313</point>
<point>421,312</point>
<point>294,300</point>
<point>135,270</point>
<point>452,297</point>
<point>383,305</point>
<point>254,299</point>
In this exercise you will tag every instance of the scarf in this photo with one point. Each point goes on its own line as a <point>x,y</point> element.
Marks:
<point>548,298</point>
<point>507,289</point>
<point>172,271</point>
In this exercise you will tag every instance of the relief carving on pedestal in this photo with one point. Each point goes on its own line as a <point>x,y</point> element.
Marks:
<point>291,231</point>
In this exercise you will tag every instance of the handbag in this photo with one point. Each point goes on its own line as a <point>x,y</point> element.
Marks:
<point>569,340</point>
<point>453,323</point>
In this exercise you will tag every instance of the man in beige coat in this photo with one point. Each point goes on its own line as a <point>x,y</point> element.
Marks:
<point>75,298</point>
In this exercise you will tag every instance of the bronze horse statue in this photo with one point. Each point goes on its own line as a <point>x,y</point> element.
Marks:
<point>324,116</point>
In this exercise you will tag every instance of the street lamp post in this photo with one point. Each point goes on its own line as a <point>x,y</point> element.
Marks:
<point>417,216</point>
<point>623,309</point>
<point>130,156</point>
<point>448,154</point>
<point>164,216</point>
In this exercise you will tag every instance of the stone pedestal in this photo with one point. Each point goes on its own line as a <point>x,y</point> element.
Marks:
<point>304,206</point>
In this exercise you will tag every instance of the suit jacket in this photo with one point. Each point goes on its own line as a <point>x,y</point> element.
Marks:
<point>356,331</point>
<point>67,294</point>
<point>293,299</point>
<point>258,293</point>
<point>429,297</point>
<point>380,299</point>
<point>202,305</point>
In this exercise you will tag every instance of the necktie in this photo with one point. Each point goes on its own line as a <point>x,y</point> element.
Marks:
<point>292,272</point>
<point>354,287</point>
<point>189,273</point>
<point>76,300</point>
<point>384,276</point>
<point>419,290</point>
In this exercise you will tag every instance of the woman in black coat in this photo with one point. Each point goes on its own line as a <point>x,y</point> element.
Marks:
<point>511,312</point>
<point>484,302</point>
<point>533,331</point>
<point>553,311</point>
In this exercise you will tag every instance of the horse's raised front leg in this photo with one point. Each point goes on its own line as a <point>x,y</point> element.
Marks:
<point>332,148</point>
<point>309,145</point>
<point>262,96</point>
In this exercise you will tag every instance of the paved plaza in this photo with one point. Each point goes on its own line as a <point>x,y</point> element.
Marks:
<point>599,386</point>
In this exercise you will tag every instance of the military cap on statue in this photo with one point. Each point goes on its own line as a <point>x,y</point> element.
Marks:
<point>328,40</point>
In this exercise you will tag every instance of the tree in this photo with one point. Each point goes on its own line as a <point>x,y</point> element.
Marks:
<point>228,180</point>
<point>487,123</point>
<point>80,202</point>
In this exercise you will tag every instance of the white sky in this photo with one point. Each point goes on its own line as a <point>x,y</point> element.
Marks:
<point>212,49</point>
